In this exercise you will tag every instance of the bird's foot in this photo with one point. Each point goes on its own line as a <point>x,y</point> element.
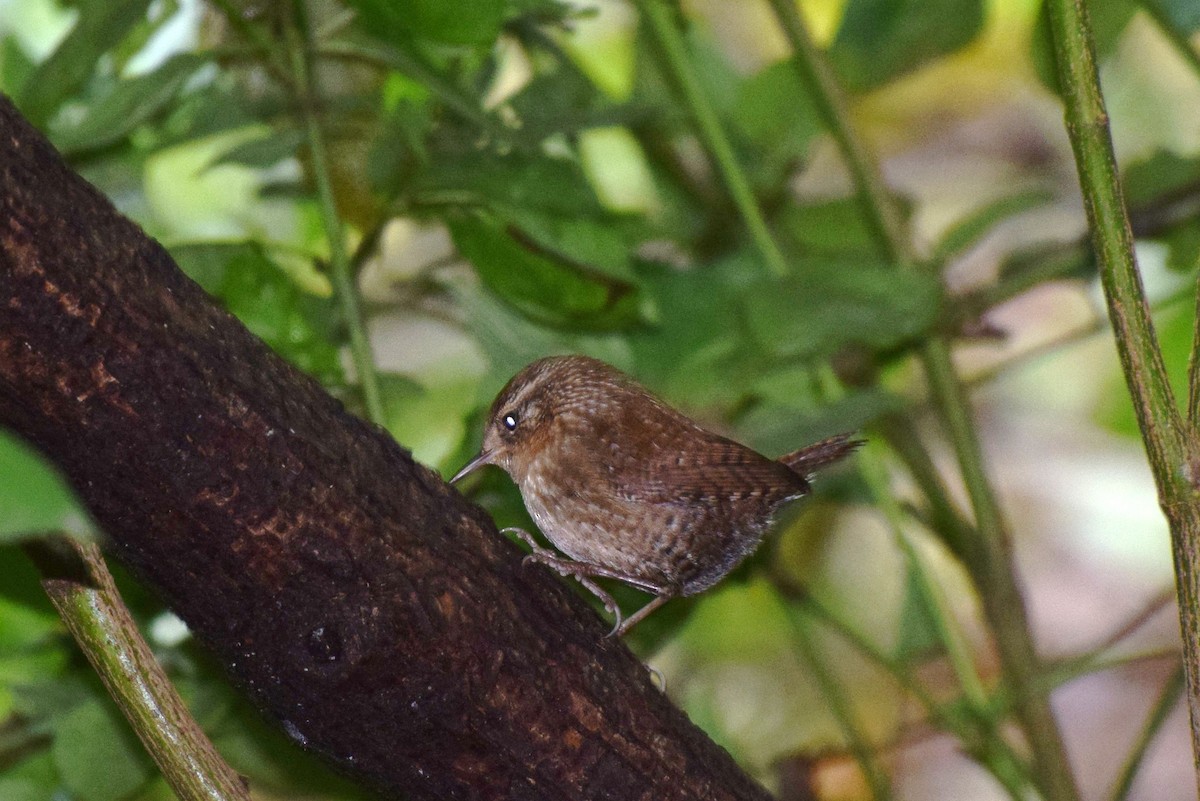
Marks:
<point>581,572</point>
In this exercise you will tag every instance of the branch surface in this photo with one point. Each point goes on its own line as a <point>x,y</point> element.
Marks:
<point>366,605</point>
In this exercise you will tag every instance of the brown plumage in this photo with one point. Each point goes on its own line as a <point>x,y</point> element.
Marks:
<point>629,488</point>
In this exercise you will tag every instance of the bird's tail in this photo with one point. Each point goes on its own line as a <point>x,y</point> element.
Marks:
<point>809,459</point>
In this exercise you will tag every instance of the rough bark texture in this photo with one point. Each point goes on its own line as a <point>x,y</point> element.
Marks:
<point>359,599</point>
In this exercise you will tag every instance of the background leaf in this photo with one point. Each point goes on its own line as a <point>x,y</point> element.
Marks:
<point>101,26</point>
<point>882,39</point>
<point>548,289</point>
<point>35,499</point>
<point>98,754</point>
<point>449,21</point>
<point>111,117</point>
<point>834,305</point>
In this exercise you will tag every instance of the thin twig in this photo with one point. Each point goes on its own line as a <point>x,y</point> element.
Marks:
<point>300,46</point>
<point>82,590</point>
<point>863,750</point>
<point>1154,722</point>
<point>662,27</point>
<point>991,560</point>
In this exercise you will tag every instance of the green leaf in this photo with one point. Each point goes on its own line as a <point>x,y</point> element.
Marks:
<point>265,152</point>
<point>35,497</point>
<point>545,285</point>
<point>1159,189</point>
<point>597,242</point>
<point>23,790</point>
<point>55,699</point>
<point>15,65</point>
<point>1184,15</point>
<point>967,232</point>
<point>781,425</point>
<point>1146,182</point>
<point>130,103</point>
<point>101,26</point>
<point>882,39</point>
<point>32,664</point>
<point>510,340</point>
<point>23,628</point>
<point>253,287</point>
<point>429,420</point>
<point>98,755</point>
<point>559,101</point>
<point>448,21</point>
<point>832,305</point>
<point>549,185</point>
<point>918,634</point>
<point>36,773</point>
<point>834,228</point>
<point>698,334</point>
<point>774,112</point>
<point>1183,243</point>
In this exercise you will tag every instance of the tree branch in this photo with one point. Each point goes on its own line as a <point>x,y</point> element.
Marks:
<point>370,609</point>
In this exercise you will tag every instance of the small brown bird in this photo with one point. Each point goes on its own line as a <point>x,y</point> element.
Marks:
<point>630,489</point>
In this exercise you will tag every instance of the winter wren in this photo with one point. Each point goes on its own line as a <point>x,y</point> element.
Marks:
<point>630,489</point>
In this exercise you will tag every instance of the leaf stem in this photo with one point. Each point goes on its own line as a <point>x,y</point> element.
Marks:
<point>984,742</point>
<point>82,590</point>
<point>1173,34</point>
<point>872,469</point>
<point>880,210</point>
<point>300,45</point>
<point>263,47</point>
<point>1170,442</point>
<point>1154,721</point>
<point>863,750</point>
<point>411,64</point>
<point>716,141</point>
<point>990,559</point>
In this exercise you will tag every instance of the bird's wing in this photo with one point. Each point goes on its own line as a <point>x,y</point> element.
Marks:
<point>708,469</point>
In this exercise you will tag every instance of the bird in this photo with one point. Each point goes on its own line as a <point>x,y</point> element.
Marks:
<point>626,487</point>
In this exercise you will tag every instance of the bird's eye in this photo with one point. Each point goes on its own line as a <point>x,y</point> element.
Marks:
<point>510,421</point>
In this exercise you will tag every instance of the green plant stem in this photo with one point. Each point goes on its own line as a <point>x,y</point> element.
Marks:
<point>863,751</point>
<point>986,743</point>
<point>1169,440</point>
<point>999,591</point>
<point>881,212</point>
<point>667,37</point>
<point>395,57</point>
<point>263,46</point>
<point>83,592</point>
<point>871,467</point>
<point>1158,715</point>
<point>990,559</point>
<point>1193,371</point>
<point>932,600</point>
<point>300,47</point>
<point>944,517</point>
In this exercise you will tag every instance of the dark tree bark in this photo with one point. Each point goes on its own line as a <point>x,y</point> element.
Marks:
<point>369,608</point>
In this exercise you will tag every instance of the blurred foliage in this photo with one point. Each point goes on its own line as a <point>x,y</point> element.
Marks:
<point>546,143</point>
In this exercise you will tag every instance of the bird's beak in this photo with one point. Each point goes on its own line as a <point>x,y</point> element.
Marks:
<point>483,458</point>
